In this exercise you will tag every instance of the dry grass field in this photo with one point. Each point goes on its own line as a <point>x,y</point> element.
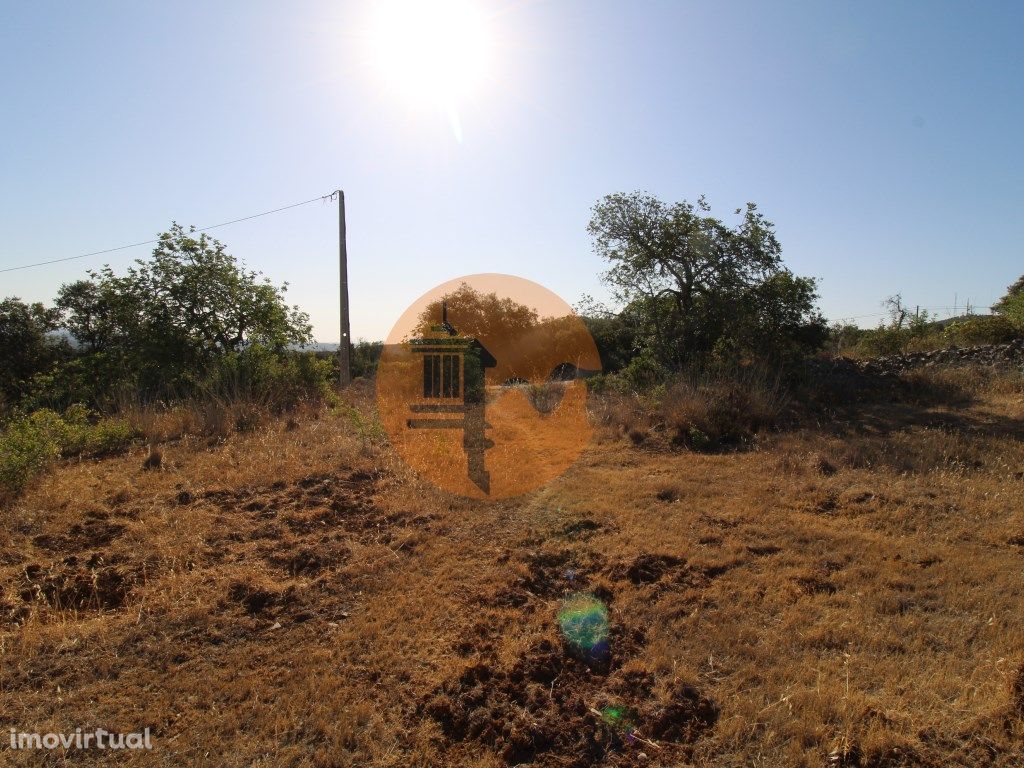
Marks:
<point>846,592</point>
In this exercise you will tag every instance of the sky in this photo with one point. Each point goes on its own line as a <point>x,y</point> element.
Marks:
<point>882,138</point>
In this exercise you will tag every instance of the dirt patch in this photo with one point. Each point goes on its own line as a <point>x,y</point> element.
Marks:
<point>669,493</point>
<point>546,574</point>
<point>580,529</point>
<point>554,708</point>
<point>74,585</point>
<point>647,568</point>
<point>763,550</point>
<point>563,703</point>
<point>306,560</point>
<point>92,534</point>
<point>815,581</point>
<point>256,600</point>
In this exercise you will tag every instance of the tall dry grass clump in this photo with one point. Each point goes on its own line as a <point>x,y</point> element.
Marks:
<point>721,412</point>
<point>707,411</point>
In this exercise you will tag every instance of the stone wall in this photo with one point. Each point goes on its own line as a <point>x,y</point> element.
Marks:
<point>992,355</point>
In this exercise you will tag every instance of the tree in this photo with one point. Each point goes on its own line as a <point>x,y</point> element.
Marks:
<point>26,345</point>
<point>103,312</point>
<point>526,346</point>
<point>1011,306</point>
<point>615,334</point>
<point>168,319</point>
<point>1012,292</point>
<point>897,311</point>
<point>479,315</point>
<point>697,282</point>
<point>779,315</point>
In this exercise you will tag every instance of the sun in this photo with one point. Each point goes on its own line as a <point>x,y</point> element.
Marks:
<point>432,51</point>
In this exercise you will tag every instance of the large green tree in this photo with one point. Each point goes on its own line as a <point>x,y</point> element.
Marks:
<point>168,318</point>
<point>700,285</point>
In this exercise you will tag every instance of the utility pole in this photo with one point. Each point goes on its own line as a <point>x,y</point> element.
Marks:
<point>344,344</point>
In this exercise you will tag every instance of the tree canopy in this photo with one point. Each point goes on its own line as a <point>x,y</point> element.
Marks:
<point>26,345</point>
<point>167,318</point>
<point>699,286</point>
<point>1011,306</point>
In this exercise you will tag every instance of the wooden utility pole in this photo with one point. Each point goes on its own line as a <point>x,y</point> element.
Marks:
<point>344,344</point>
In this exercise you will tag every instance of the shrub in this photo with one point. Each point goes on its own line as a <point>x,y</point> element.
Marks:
<point>30,444</point>
<point>703,412</point>
<point>714,413</point>
<point>879,342</point>
<point>642,373</point>
<point>273,380</point>
<point>365,356</point>
<point>990,329</point>
<point>1012,308</point>
<point>546,396</point>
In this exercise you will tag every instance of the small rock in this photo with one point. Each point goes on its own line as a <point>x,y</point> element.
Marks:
<point>642,757</point>
<point>277,625</point>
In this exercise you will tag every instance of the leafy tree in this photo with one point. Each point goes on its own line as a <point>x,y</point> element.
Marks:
<point>1011,306</point>
<point>525,345</point>
<point>613,333</point>
<point>698,284</point>
<point>26,345</point>
<point>365,356</point>
<point>780,315</point>
<point>102,313</point>
<point>207,298</point>
<point>165,322</point>
<point>1015,290</point>
<point>479,315</point>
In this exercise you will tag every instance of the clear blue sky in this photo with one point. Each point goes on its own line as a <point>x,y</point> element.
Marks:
<point>883,138</point>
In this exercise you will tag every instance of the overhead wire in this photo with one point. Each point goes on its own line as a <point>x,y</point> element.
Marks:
<point>331,196</point>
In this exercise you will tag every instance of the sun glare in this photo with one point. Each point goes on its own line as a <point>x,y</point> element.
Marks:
<point>432,52</point>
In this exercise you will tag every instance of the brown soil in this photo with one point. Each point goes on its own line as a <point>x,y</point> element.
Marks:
<point>297,597</point>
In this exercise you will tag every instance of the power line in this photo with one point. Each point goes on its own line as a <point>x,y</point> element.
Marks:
<point>151,242</point>
<point>944,307</point>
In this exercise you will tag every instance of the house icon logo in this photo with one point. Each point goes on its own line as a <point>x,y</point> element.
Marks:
<point>454,391</point>
<point>481,386</point>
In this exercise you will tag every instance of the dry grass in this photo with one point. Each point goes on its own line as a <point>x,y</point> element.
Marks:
<point>847,594</point>
<point>702,413</point>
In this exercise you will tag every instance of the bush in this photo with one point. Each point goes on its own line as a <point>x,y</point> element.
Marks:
<point>30,444</point>
<point>271,380</point>
<point>642,373</point>
<point>880,342</point>
<point>1012,308</point>
<point>365,356</point>
<point>546,396</point>
<point>989,329</point>
<point>715,413</point>
<point>702,412</point>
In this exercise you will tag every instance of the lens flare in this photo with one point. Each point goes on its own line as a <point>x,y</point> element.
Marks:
<point>620,719</point>
<point>583,620</point>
